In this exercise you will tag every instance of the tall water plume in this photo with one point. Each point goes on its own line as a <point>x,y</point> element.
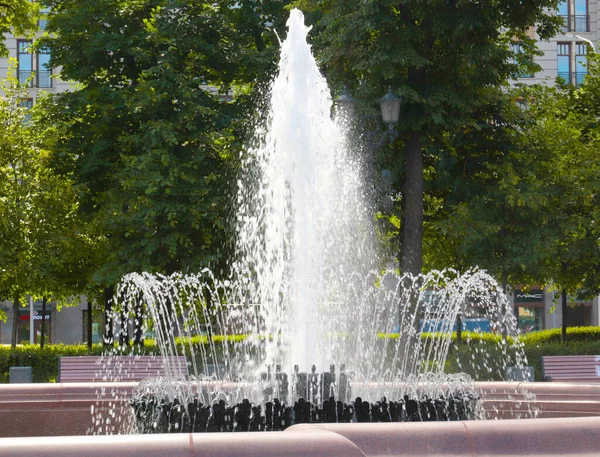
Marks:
<point>304,222</point>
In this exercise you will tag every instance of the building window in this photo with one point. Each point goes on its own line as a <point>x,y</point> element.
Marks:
<point>572,62</point>
<point>27,103</point>
<point>564,62</point>
<point>97,326</point>
<point>44,70</point>
<point>25,69</point>
<point>24,62</point>
<point>522,104</point>
<point>521,59</point>
<point>530,318</point>
<point>529,309</point>
<point>580,63</point>
<point>575,15</point>
<point>43,21</point>
<point>23,327</point>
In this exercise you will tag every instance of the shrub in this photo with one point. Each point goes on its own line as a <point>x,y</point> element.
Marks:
<point>482,355</point>
<point>574,334</point>
<point>535,352</point>
<point>44,362</point>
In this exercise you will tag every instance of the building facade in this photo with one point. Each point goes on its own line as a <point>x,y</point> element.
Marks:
<point>565,55</point>
<point>31,68</point>
<point>536,308</point>
<point>66,324</point>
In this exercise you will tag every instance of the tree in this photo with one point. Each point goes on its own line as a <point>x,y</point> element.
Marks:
<point>151,148</point>
<point>496,203</point>
<point>566,123</point>
<point>522,199</point>
<point>442,57</point>
<point>43,244</point>
<point>19,162</point>
<point>19,17</point>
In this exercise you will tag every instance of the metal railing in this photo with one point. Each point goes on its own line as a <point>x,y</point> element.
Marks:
<point>573,77</point>
<point>24,76</point>
<point>44,78</point>
<point>578,23</point>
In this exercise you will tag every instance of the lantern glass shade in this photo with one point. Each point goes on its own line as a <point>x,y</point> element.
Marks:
<point>390,108</point>
<point>345,104</point>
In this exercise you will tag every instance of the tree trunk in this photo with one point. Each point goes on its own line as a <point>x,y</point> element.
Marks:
<point>89,324</point>
<point>138,323</point>
<point>124,333</point>
<point>563,335</point>
<point>504,310</point>
<point>109,337</point>
<point>458,329</point>
<point>43,324</point>
<point>412,246</point>
<point>15,326</point>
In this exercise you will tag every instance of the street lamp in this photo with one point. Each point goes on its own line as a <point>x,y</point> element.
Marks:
<point>582,39</point>
<point>390,107</point>
<point>345,104</point>
<point>390,113</point>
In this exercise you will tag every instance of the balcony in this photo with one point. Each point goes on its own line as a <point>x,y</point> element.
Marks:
<point>575,23</point>
<point>24,76</point>
<point>573,77</point>
<point>44,78</point>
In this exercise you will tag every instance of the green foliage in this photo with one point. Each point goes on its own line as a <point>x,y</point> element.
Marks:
<point>482,355</point>
<point>20,164</point>
<point>575,334</point>
<point>520,189</point>
<point>149,142</point>
<point>447,60</point>
<point>564,136</point>
<point>491,194</point>
<point>19,17</point>
<point>488,338</point>
<point>44,362</point>
<point>483,358</point>
<point>46,249</point>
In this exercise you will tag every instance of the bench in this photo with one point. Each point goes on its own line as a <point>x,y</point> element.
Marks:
<point>120,368</point>
<point>571,368</point>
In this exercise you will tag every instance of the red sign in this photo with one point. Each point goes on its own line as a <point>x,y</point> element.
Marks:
<point>37,316</point>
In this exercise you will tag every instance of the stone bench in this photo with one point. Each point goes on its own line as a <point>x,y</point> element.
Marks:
<point>120,368</point>
<point>571,368</point>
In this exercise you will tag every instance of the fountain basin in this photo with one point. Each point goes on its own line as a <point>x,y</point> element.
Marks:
<point>529,437</point>
<point>71,409</point>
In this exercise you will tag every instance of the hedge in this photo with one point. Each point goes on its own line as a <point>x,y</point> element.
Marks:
<point>574,334</point>
<point>43,361</point>
<point>480,355</point>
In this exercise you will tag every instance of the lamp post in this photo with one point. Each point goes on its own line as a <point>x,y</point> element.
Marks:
<point>390,113</point>
<point>345,104</point>
<point>589,43</point>
<point>583,39</point>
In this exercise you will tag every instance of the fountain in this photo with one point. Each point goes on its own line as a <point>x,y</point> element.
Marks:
<point>311,328</point>
<point>310,317</point>
<point>315,313</point>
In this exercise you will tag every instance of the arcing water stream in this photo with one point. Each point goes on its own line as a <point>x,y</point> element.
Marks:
<point>304,289</point>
